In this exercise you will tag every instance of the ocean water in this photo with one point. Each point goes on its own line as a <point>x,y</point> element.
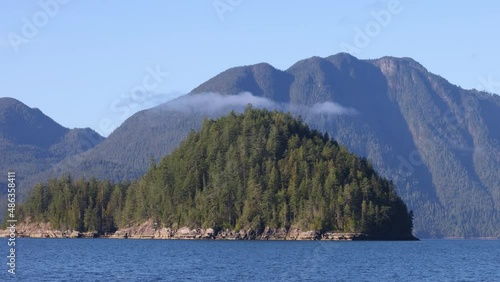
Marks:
<point>178,260</point>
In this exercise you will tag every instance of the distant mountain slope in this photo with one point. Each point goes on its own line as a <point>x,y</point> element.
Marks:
<point>438,142</point>
<point>31,142</point>
<point>260,80</point>
<point>128,151</point>
<point>251,173</point>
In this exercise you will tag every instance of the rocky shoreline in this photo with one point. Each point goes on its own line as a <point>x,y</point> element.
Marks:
<point>147,230</point>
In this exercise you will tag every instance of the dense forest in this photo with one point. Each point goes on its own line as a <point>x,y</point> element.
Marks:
<point>31,143</point>
<point>437,142</point>
<point>249,170</point>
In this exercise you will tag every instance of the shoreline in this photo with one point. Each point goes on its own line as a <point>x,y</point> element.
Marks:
<point>147,230</point>
<point>112,237</point>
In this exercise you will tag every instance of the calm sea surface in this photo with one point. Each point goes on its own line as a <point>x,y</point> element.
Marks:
<point>169,260</point>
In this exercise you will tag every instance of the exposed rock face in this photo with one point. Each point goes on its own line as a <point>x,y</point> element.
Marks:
<point>148,230</point>
<point>273,234</point>
<point>340,236</point>
<point>293,234</point>
<point>268,234</point>
<point>74,234</point>
<point>297,234</point>
<point>187,233</point>
<point>209,234</point>
<point>43,230</point>
<point>232,235</point>
<point>309,235</point>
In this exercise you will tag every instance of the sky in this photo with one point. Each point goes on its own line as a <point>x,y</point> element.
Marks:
<point>95,63</point>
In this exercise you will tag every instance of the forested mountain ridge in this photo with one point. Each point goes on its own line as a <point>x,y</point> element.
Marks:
<point>438,142</point>
<point>31,142</point>
<point>249,171</point>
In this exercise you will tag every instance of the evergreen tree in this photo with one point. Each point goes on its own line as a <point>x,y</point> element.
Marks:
<point>252,170</point>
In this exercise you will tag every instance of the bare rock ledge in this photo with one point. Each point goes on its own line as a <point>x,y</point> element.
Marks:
<point>148,230</point>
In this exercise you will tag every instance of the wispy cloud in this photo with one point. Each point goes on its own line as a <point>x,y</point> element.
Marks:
<point>331,108</point>
<point>210,103</point>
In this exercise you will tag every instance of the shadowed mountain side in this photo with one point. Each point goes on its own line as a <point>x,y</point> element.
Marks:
<point>428,135</point>
<point>31,143</point>
<point>129,150</point>
<point>249,173</point>
<point>22,125</point>
<point>261,80</point>
<point>438,142</point>
<point>150,134</point>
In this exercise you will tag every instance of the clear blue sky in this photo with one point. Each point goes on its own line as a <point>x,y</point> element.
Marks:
<point>85,57</point>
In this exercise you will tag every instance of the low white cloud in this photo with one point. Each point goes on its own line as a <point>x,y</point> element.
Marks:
<point>213,102</point>
<point>209,103</point>
<point>331,108</point>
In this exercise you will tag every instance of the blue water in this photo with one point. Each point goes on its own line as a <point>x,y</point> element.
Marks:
<point>169,260</point>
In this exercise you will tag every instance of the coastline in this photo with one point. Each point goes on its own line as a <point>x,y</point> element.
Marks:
<point>147,230</point>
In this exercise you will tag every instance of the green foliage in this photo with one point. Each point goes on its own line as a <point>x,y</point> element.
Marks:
<point>440,144</point>
<point>251,170</point>
<point>75,205</point>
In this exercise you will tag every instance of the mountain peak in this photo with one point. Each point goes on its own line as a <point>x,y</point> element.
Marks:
<point>260,79</point>
<point>389,65</point>
<point>342,58</point>
<point>307,63</point>
<point>415,127</point>
<point>9,103</point>
<point>24,125</point>
<point>262,65</point>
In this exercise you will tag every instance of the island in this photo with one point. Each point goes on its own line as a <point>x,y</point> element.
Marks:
<point>259,175</point>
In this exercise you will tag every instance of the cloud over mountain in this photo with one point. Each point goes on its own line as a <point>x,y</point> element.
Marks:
<point>210,103</point>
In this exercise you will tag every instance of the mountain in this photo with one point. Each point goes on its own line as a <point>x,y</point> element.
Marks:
<point>255,171</point>
<point>31,142</point>
<point>261,80</point>
<point>436,141</point>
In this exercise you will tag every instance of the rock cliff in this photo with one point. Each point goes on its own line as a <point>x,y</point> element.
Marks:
<point>148,230</point>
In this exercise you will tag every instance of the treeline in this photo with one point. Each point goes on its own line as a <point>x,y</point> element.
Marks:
<point>76,204</point>
<point>252,170</point>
